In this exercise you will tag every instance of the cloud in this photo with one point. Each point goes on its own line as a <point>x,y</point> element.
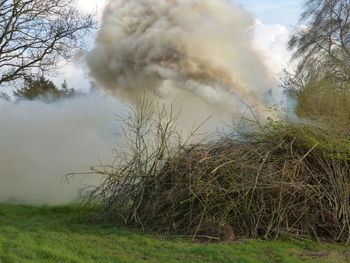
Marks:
<point>75,73</point>
<point>272,41</point>
<point>91,6</point>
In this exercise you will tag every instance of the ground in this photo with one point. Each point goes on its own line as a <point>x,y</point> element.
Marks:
<point>56,234</point>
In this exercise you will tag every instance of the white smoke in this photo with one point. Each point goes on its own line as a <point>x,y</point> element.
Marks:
<point>40,143</point>
<point>198,51</point>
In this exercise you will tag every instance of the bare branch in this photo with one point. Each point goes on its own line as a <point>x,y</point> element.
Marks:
<point>324,44</point>
<point>36,34</point>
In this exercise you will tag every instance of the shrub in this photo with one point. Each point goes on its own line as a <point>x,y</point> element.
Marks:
<point>321,100</point>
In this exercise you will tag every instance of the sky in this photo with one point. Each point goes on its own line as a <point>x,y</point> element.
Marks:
<point>283,12</point>
<point>275,19</point>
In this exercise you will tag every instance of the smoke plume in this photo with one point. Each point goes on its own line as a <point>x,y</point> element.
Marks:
<point>200,48</point>
<point>199,51</point>
<point>40,143</point>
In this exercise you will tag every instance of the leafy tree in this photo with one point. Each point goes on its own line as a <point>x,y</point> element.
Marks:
<point>42,89</point>
<point>36,34</point>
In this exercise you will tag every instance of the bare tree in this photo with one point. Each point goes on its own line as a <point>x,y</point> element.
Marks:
<point>4,96</point>
<point>36,34</point>
<point>324,43</point>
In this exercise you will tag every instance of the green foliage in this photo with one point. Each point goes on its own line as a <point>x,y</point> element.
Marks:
<point>42,89</point>
<point>274,125</point>
<point>323,139</point>
<point>322,100</point>
<point>56,234</point>
<point>321,83</point>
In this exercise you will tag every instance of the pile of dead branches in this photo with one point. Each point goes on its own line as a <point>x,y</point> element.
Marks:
<point>282,181</point>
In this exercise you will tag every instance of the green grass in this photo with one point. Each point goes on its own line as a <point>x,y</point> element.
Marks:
<point>54,234</point>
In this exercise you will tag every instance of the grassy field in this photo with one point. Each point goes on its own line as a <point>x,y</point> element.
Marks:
<point>54,234</point>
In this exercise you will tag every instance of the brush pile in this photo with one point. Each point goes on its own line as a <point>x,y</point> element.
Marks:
<point>285,181</point>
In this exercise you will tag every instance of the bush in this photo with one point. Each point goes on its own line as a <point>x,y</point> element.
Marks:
<point>322,100</point>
